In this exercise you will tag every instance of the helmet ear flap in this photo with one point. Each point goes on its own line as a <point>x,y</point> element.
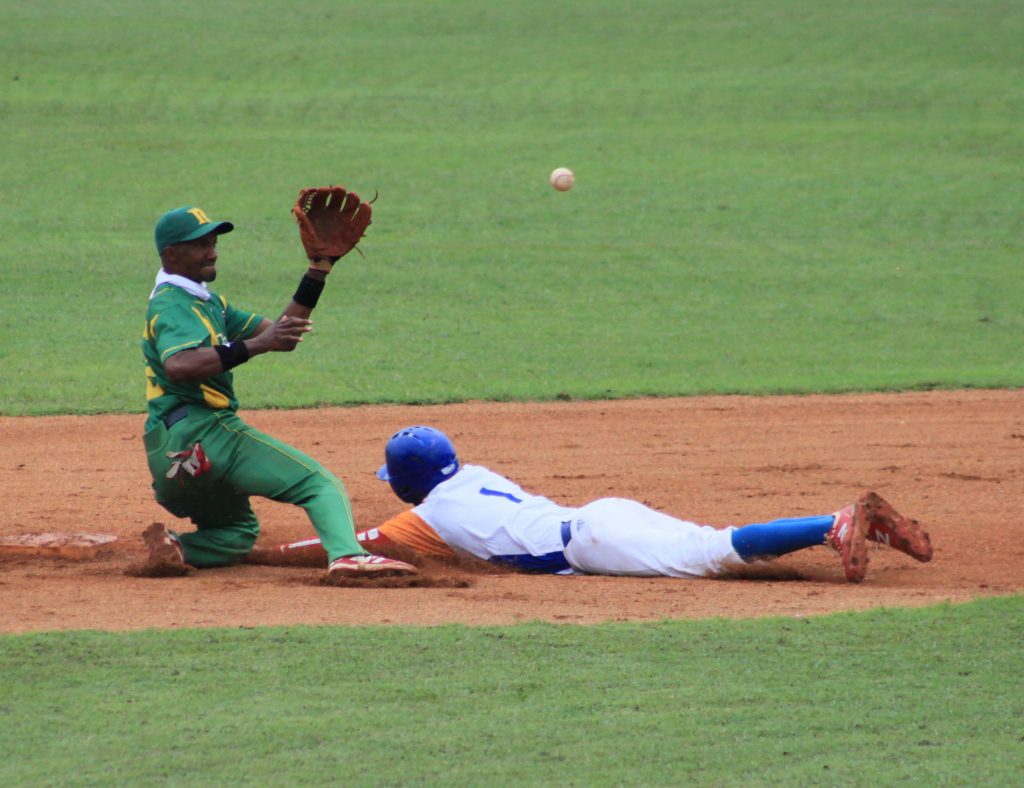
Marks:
<point>406,492</point>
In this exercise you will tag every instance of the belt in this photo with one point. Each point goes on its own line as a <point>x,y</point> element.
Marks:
<point>175,416</point>
<point>566,532</point>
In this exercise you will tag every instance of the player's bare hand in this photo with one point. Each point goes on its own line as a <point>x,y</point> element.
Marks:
<point>282,335</point>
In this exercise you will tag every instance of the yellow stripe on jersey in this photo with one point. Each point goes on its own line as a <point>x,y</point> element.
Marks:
<point>149,332</point>
<point>214,398</point>
<point>153,389</point>
<point>209,327</point>
<point>172,350</point>
<point>247,324</point>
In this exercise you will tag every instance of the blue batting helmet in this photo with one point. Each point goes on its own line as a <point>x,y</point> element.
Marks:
<point>417,459</point>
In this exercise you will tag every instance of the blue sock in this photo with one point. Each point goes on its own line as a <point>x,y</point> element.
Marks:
<point>770,540</point>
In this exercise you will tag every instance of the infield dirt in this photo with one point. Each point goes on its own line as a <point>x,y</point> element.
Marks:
<point>953,460</point>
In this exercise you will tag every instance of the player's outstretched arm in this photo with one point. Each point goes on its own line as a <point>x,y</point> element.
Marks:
<point>310,552</point>
<point>281,335</point>
<point>307,295</point>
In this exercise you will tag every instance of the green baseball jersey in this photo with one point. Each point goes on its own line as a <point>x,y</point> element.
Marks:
<point>176,321</point>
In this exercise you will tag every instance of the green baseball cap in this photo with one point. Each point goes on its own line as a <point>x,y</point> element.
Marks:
<point>186,224</point>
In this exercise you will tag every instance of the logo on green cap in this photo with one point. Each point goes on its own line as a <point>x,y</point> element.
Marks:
<point>186,224</point>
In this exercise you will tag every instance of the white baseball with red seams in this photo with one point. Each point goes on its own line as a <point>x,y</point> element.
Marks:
<point>562,178</point>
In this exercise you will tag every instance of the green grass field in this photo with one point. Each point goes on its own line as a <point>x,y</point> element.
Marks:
<point>931,696</point>
<point>771,196</point>
<point>784,196</point>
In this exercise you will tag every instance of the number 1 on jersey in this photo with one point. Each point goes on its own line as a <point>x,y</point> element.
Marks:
<point>500,494</point>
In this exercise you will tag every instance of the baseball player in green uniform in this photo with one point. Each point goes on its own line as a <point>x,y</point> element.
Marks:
<point>206,462</point>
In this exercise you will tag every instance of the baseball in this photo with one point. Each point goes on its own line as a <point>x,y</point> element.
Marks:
<point>562,179</point>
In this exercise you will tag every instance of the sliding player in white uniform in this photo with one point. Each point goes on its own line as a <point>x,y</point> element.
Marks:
<point>470,509</point>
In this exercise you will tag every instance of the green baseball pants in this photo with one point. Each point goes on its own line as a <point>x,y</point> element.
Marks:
<point>243,462</point>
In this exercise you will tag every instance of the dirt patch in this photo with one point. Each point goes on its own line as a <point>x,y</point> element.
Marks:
<point>953,460</point>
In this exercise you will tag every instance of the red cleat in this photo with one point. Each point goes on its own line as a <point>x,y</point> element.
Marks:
<point>848,537</point>
<point>889,527</point>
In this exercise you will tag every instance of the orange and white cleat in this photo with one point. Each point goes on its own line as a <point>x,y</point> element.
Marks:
<point>369,566</point>
<point>889,527</point>
<point>848,536</point>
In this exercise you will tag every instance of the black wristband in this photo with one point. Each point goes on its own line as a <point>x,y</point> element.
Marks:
<point>232,354</point>
<point>309,291</point>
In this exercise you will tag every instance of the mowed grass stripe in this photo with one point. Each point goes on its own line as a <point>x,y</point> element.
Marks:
<point>771,197</point>
<point>907,694</point>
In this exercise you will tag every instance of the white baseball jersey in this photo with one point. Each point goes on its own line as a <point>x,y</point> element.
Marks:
<point>491,517</point>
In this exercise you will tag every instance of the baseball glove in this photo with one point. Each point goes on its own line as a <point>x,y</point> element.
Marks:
<point>331,221</point>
